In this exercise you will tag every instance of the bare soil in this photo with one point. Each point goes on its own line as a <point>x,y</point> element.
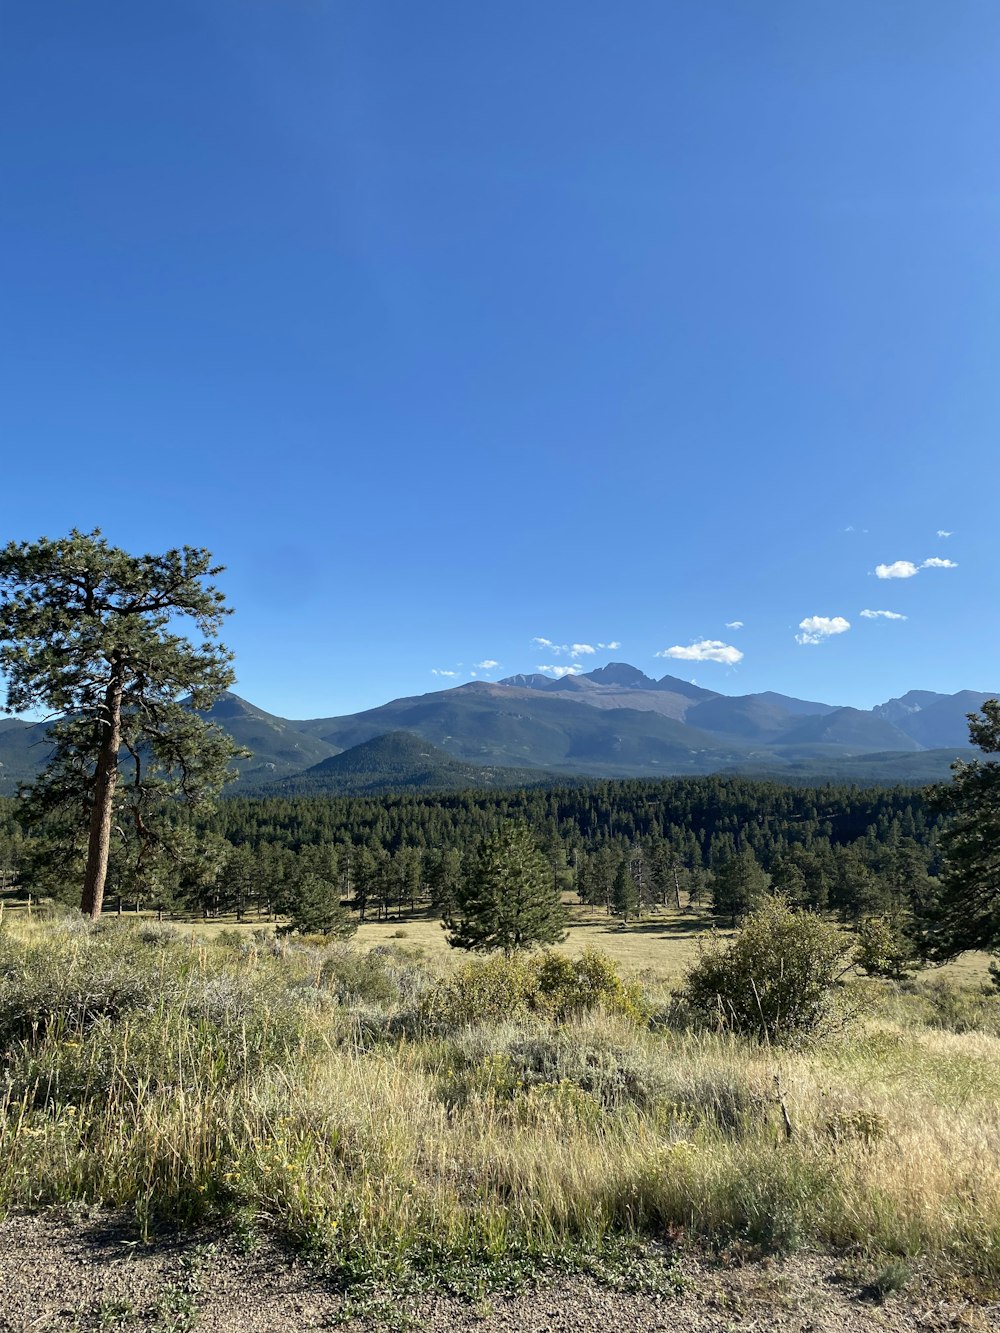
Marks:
<point>93,1274</point>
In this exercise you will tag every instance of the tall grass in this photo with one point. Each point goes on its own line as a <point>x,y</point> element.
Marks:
<point>305,1086</point>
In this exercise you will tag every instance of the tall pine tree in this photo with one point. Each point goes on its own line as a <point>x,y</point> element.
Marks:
<point>509,899</point>
<point>88,632</point>
<point>967,914</point>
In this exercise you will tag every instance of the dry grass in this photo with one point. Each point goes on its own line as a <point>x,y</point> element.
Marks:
<point>181,1077</point>
<point>663,942</point>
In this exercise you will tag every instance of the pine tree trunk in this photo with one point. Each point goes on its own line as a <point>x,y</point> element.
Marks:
<point>105,781</point>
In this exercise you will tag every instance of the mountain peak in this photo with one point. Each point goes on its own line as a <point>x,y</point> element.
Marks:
<point>621,673</point>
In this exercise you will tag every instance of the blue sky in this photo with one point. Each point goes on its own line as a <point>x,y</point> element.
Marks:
<point>449,327</point>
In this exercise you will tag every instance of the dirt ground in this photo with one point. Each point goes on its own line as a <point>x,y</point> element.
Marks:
<point>92,1274</point>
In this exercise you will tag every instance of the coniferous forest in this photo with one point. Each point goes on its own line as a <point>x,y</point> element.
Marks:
<point>695,841</point>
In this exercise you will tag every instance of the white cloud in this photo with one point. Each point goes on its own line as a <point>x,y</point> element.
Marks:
<point>734,624</point>
<point>559,671</point>
<point>817,628</point>
<point>942,533</point>
<point>487,664</point>
<point>899,569</point>
<point>882,615</point>
<point>436,672</point>
<point>705,650</point>
<point>570,649</point>
<point>610,646</point>
<point>905,569</point>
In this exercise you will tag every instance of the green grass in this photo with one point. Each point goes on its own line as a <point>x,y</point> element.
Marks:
<point>307,1087</point>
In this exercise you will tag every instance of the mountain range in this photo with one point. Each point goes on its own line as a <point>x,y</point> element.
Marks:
<point>612,722</point>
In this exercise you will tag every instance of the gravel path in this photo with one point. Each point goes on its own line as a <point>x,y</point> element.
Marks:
<point>92,1275</point>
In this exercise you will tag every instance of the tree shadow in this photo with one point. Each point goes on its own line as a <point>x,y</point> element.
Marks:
<point>682,927</point>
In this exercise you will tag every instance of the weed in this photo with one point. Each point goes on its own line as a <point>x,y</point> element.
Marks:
<point>115,1313</point>
<point>892,1277</point>
<point>176,1310</point>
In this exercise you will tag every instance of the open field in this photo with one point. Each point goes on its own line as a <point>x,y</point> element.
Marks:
<point>663,942</point>
<point>666,943</point>
<point>411,1133</point>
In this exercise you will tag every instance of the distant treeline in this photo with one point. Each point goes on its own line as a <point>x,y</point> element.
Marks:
<point>711,840</point>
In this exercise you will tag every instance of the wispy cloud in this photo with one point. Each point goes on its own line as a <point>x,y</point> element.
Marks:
<point>899,569</point>
<point>935,562</point>
<point>816,629</point>
<point>734,624</point>
<point>571,649</point>
<point>942,533</point>
<point>438,671</point>
<point>882,615</point>
<point>574,669</point>
<point>487,664</point>
<point>705,650</point>
<point>610,646</point>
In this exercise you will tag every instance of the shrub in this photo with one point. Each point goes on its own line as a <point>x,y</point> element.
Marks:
<point>615,1075</point>
<point>571,986</point>
<point>775,979</point>
<point>500,988</point>
<point>484,990</point>
<point>859,1124</point>
<point>355,976</point>
<point>895,1276</point>
<point>506,1065</point>
<point>882,949</point>
<point>70,984</point>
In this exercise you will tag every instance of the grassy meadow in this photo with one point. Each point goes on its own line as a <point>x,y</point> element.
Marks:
<point>406,1123</point>
<point>662,942</point>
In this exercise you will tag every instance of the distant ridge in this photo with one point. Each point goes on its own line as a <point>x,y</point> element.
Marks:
<point>401,761</point>
<point>615,721</point>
